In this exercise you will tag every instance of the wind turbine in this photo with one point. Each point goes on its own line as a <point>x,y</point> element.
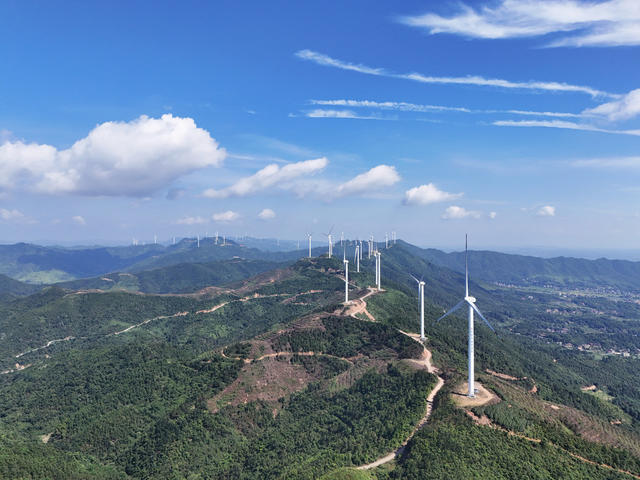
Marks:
<point>309,235</point>
<point>378,271</point>
<point>357,258</point>
<point>421,294</point>
<point>470,301</point>
<point>346,280</point>
<point>328,235</point>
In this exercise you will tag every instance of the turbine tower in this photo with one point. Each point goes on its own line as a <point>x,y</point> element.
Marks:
<point>377,255</point>
<point>346,277</point>
<point>470,301</point>
<point>309,235</point>
<point>357,258</point>
<point>421,294</point>
<point>328,235</point>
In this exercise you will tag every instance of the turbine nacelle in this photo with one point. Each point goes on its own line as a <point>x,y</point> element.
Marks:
<point>470,299</point>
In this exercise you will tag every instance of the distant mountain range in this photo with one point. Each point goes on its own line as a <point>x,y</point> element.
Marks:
<point>47,265</point>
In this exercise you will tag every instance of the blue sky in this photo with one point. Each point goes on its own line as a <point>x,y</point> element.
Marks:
<point>515,121</point>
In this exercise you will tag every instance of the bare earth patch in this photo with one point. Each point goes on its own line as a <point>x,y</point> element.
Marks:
<point>483,396</point>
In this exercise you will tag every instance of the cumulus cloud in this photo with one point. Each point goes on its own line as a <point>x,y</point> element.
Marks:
<point>11,214</point>
<point>580,23</point>
<point>428,194</point>
<point>454,213</point>
<point>223,217</point>
<point>116,158</point>
<point>546,211</point>
<point>622,109</point>
<point>378,177</point>
<point>79,219</point>
<point>270,176</point>
<point>325,60</point>
<point>267,214</point>
<point>191,221</point>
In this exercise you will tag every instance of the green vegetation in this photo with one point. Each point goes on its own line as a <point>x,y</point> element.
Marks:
<point>452,447</point>
<point>159,401</point>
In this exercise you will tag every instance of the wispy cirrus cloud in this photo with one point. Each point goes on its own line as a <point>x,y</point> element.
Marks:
<point>326,60</point>
<point>12,214</point>
<point>624,108</point>
<point>191,221</point>
<point>615,163</point>
<point>323,113</point>
<point>563,125</point>
<point>580,23</point>
<point>422,108</point>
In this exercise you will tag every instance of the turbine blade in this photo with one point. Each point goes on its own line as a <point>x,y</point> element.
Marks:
<point>482,316</point>
<point>458,305</point>
<point>414,278</point>
<point>466,268</point>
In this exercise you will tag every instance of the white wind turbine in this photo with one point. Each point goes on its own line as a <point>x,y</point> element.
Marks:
<point>421,294</point>
<point>378,271</point>
<point>309,236</point>
<point>470,301</point>
<point>356,258</point>
<point>328,235</point>
<point>346,276</point>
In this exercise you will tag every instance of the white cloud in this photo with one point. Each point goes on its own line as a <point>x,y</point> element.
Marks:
<point>191,221</point>
<point>223,217</point>
<point>79,219</point>
<point>562,124</point>
<point>322,113</point>
<point>623,109</point>
<point>612,163</point>
<point>116,158</point>
<point>421,108</point>
<point>11,214</point>
<point>267,214</point>
<point>270,176</point>
<point>428,194</point>
<point>454,213</point>
<point>581,23</point>
<point>546,211</point>
<point>492,215</point>
<point>325,60</point>
<point>402,106</point>
<point>378,177</point>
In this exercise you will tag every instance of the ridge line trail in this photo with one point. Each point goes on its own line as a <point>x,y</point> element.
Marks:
<point>424,360</point>
<point>485,422</point>
<point>159,317</point>
<point>286,354</point>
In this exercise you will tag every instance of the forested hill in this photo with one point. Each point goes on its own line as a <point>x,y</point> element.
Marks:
<point>179,278</point>
<point>534,271</point>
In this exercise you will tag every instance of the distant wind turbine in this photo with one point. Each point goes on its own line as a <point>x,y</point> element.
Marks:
<point>346,280</point>
<point>328,235</point>
<point>378,270</point>
<point>470,301</point>
<point>309,235</point>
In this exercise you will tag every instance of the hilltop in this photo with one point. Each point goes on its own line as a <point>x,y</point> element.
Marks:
<point>246,368</point>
